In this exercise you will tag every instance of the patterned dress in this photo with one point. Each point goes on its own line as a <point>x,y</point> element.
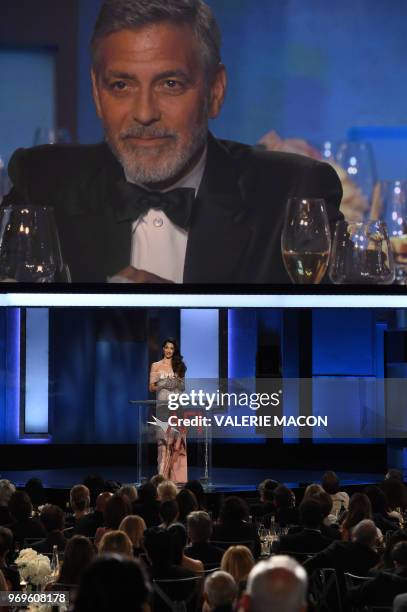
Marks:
<point>172,446</point>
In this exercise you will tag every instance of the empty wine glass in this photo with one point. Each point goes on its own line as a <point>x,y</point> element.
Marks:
<point>393,210</point>
<point>357,160</point>
<point>47,135</point>
<point>306,240</point>
<point>361,254</point>
<point>29,246</point>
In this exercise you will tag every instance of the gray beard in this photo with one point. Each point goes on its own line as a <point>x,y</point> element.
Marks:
<point>172,164</point>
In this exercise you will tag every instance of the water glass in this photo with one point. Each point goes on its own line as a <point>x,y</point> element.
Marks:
<point>29,245</point>
<point>361,254</point>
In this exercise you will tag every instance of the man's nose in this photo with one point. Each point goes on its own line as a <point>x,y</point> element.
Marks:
<point>146,109</point>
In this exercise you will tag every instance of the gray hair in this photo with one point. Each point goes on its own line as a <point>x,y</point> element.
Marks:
<point>365,533</point>
<point>116,15</point>
<point>199,525</point>
<point>277,585</point>
<point>6,491</point>
<point>130,491</point>
<point>220,588</point>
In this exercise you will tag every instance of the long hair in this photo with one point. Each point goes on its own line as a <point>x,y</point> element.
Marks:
<point>177,362</point>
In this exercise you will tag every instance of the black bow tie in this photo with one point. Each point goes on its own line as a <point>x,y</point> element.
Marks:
<point>136,201</point>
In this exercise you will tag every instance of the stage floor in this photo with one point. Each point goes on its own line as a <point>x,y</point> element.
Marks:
<point>224,480</point>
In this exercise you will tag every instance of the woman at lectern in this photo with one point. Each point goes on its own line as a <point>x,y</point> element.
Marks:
<point>167,377</point>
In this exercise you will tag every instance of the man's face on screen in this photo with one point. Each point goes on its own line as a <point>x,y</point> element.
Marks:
<point>152,94</point>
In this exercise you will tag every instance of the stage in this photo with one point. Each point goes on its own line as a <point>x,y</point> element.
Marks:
<point>224,480</point>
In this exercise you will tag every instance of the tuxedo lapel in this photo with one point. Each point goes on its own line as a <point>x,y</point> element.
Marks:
<point>94,218</point>
<point>219,231</point>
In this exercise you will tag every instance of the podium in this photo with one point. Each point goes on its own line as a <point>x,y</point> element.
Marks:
<point>198,440</point>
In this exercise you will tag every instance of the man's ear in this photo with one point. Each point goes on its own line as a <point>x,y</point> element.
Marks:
<point>95,92</point>
<point>217,92</point>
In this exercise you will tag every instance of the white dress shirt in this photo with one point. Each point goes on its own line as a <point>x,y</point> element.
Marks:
<point>158,245</point>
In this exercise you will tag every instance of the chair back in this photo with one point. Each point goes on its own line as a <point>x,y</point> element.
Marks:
<point>351,580</point>
<point>324,591</point>
<point>177,594</point>
<point>301,557</point>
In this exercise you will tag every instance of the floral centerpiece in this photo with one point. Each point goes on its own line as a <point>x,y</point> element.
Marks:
<point>34,568</point>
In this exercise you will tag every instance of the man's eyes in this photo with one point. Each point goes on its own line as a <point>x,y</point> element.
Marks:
<point>171,86</point>
<point>118,85</point>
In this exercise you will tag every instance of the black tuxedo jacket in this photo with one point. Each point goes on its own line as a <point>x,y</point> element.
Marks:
<point>305,541</point>
<point>237,217</point>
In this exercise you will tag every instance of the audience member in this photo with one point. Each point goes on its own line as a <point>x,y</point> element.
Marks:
<point>179,540</point>
<point>395,491</point>
<point>157,479</point>
<point>79,499</point>
<point>360,509</point>
<point>317,493</point>
<point>96,485</point>
<point>167,491</point>
<point>110,583</point>
<point>134,526</point>
<point>381,510</point>
<point>400,603</point>
<point>89,523</point>
<point>286,513</point>
<point>11,574</point>
<point>233,526</point>
<point>6,491</point>
<point>169,513</point>
<point>187,503</point>
<point>36,492</point>
<point>117,507</point>
<point>79,553</point>
<point>265,505</point>
<point>158,544</point>
<point>220,592</point>
<point>393,538</point>
<point>197,489</point>
<point>277,585</point>
<point>340,499</point>
<point>116,541</point>
<point>238,561</point>
<point>130,491</point>
<point>357,556</point>
<point>24,526</point>
<point>382,590</point>
<point>53,519</point>
<point>147,505</point>
<point>199,528</point>
<point>310,539</point>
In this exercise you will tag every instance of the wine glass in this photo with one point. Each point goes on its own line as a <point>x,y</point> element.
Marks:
<point>357,160</point>
<point>393,210</point>
<point>361,254</point>
<point>306,240</point>
<point>47,135</point>
<point>29,246</point>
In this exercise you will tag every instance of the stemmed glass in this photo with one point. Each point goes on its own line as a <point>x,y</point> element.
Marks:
<point>357,160</point>
<point>29,246</point>
<point>306,240</point>
<point>393,210</point>
<point>361,254</point>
